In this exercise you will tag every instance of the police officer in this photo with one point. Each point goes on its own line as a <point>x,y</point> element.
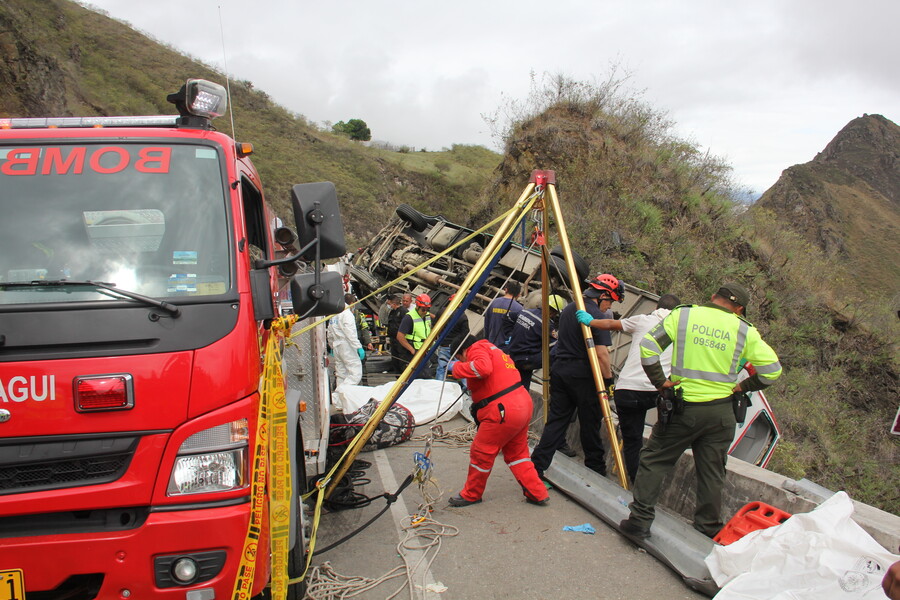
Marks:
<point>526,344</point>
<point>502,408</point>
<point>709,341</point>
<point>414,328</point>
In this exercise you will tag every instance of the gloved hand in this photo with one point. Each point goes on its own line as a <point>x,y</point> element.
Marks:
<point>362,353</point>
<point>450,366</point>
<point>584,317</point>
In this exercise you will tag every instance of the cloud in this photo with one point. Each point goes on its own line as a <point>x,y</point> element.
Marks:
<point>764,84</point>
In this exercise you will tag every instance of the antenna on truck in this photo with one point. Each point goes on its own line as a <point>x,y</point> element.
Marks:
<point>227,78</point>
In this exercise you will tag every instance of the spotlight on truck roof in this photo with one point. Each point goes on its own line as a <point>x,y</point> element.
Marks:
<point>198,101</point>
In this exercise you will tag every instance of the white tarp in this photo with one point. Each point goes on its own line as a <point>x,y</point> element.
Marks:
<point>425,398</point>
<point>819,555</point>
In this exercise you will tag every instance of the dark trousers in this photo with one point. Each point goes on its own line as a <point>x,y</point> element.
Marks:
<point>571,391</point>
<point>525,375</point>
<point>396,351</point>
<point>631,407</point>
<point>526,366</point>
<point>427,371</point>
<point>708,431</point>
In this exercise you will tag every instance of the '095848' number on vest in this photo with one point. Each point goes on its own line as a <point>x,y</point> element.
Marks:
<point>701,341</point>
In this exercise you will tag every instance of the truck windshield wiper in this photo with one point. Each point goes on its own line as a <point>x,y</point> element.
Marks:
<point>166,306</point>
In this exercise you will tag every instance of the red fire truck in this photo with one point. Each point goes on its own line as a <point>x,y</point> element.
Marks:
<point>139,268</point>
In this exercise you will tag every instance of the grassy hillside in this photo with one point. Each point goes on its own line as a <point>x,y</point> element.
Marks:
<point>638,202</point>
<point>655,211</point>
<point>60,59</point>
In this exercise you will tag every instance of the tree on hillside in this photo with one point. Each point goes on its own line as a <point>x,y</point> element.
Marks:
<point>355,128</point>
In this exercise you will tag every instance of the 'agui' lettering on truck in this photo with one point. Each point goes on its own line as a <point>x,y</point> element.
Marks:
<point>32,388</point>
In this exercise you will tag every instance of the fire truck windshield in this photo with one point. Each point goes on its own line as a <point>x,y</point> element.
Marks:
<point>149,217</point>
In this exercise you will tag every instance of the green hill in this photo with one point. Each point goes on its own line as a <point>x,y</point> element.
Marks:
<point>58,58</point>
<point>638,202</point>
<point>659,213</point>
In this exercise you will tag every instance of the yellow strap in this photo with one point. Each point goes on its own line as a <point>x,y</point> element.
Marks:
<point>280,492</point>
<point>243,582</point>
<point>271,460</point>
<point>413,272</point>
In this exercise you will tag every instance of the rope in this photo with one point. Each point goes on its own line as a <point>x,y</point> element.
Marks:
<point>461,437</point>
<point>413,272</point>
<point>422,534</point>
<point>324,583</point>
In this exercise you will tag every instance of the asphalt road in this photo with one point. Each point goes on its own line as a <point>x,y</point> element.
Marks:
<point>505,548</point>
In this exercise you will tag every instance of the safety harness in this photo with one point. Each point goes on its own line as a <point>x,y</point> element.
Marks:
<point>476,406</point>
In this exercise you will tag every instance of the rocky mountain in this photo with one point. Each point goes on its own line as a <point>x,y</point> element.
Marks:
<point>659,213</point>
<point>846,202</point>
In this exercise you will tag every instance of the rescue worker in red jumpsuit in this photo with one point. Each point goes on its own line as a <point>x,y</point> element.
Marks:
<point>502,409</point>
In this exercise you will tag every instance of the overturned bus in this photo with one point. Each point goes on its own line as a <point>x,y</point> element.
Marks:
<point>420,253</point>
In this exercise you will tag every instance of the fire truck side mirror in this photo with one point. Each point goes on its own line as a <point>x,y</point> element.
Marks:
<point>318,218</point>
<point>317,300</point>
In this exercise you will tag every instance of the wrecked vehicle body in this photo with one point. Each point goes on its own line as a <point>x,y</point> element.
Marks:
<point>412,238</point>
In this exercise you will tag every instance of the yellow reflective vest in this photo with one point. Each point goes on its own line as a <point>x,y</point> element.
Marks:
<point>710,344</point>
<point>421,328</point>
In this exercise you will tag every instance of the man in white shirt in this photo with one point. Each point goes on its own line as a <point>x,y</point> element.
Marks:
<point>634,394</point>
<point>348,351</point>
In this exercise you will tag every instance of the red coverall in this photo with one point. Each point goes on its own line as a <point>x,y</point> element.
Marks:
<point>504,422</point>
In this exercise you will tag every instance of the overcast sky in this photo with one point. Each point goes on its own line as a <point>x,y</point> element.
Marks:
<point>763,84</point>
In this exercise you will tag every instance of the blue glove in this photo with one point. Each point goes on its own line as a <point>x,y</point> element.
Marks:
<point>584,317</point>
<point>450,366</point>
<point>362,353</point>
<point>586,528</point>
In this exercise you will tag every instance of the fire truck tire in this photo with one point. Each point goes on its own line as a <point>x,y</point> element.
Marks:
<point>581,266</point>
<point>298,554</point>
<point>415,219</point>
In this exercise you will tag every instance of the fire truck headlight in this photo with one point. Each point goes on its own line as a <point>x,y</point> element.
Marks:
<point>213,460</point>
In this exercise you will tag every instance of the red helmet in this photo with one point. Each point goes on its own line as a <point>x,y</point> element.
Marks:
<point>423,300</point>
<point>608,285</point>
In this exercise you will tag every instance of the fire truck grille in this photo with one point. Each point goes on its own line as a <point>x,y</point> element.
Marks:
<point>29,467</point>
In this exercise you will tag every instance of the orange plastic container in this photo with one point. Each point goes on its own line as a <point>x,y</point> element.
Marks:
<point>756,515</point>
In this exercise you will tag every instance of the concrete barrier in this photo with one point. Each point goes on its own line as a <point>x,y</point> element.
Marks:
<point>746,483</point>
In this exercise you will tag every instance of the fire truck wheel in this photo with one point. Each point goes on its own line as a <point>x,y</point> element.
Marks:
<point>298,554</point>
<point>415,219</point>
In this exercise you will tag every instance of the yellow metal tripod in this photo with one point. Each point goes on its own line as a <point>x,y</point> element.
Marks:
<point>539,195</point>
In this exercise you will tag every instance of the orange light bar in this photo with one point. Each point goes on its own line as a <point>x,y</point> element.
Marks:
<point>243,148</point>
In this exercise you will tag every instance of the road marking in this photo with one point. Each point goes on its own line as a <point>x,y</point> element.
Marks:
<point>416,559</point>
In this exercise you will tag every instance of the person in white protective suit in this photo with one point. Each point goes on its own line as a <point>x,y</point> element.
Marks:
<point>348,351</point>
